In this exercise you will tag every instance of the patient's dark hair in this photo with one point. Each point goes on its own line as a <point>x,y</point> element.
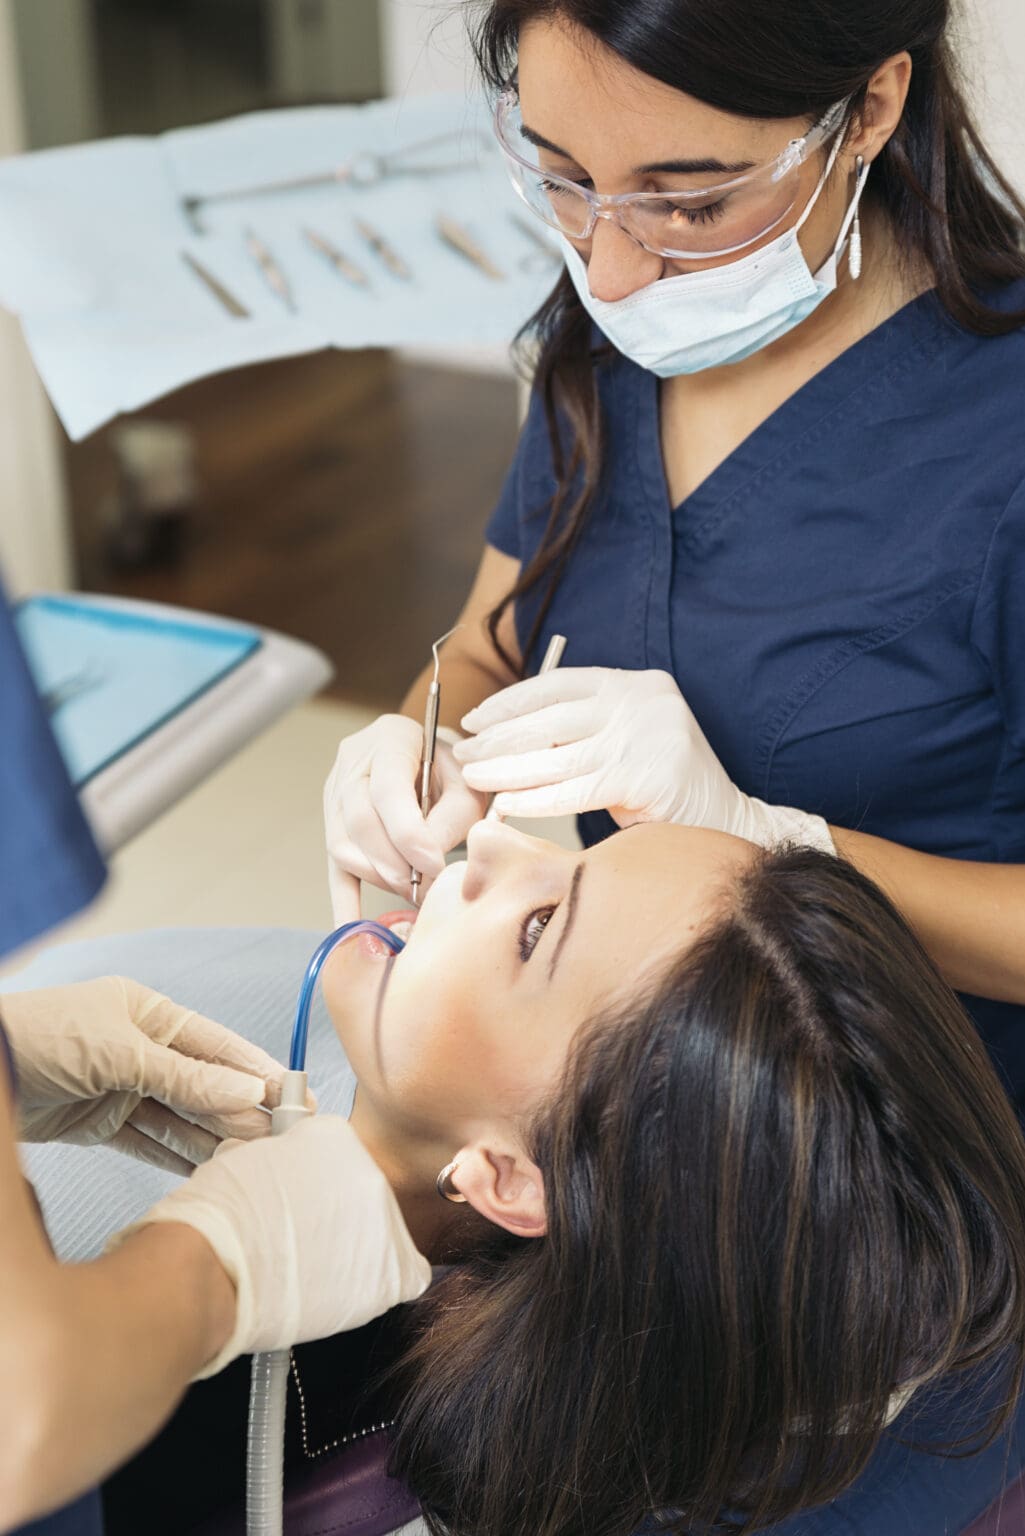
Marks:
<point>950,206</point>
<point>780,1186</point>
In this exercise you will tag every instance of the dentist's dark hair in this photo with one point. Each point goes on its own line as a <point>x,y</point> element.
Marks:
<point>949,204</point>
<point>780,1187</point>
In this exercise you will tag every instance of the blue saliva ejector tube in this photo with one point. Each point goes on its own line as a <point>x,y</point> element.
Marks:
<point>266,1429</point>
<point>300,1030</point>
<point>293,1089</point>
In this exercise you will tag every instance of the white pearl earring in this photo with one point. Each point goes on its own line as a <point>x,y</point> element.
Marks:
<point>854,253</point>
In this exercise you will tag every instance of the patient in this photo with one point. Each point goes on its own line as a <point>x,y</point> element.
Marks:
<point>738,1176</point>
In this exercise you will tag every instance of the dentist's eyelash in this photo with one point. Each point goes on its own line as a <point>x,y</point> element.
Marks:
<point>531,929</point>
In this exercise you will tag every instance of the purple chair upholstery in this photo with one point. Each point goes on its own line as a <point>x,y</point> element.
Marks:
<point>1005,1517</point>
<point>346,1494</point>
<point>350,1494</point>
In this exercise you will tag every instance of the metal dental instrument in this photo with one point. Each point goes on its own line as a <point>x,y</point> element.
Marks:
<point>216,287</point>
<point>273,275</point>
<point>553,655</point>
<point>430,746</point>
<point>460,240</point>
<point>380,247</point>
<point>362,170</point>
<point>341,263</point>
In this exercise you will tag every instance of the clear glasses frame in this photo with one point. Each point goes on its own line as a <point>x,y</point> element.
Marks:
<point>616,206</point>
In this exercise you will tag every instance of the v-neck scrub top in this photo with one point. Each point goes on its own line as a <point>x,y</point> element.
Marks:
<point>841,602</point>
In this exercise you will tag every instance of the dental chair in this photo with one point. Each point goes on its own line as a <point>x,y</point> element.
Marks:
<point>248,979</point>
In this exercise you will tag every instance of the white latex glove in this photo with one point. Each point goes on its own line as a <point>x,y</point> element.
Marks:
<point>372,822</point>
<point>595,738</point>
<point>111,1061</point>
<point>308,1230</point>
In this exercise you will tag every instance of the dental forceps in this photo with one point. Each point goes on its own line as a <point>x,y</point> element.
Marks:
<point>363,169</point>
<point>430,747</point>
<point>553,655</point>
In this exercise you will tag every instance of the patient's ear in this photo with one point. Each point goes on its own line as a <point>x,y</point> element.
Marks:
<point>503,1185</point>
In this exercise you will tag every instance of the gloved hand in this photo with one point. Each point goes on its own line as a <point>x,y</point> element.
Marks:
<point>308,1230</point>
<point>594,738</point>
<point>111,1061</point>
<point>372,821</point>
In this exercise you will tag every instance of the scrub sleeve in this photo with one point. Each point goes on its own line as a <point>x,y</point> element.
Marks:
<point>49,864</point>
<point>49,867</point>
<point>842,604</point>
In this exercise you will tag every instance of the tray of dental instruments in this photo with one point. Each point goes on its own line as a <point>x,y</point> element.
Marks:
<point>137,265</point>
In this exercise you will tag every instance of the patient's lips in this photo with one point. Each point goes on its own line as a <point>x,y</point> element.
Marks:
<point>400,923</point>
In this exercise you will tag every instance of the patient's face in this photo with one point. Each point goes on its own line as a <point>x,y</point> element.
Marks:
<point>512,951</point>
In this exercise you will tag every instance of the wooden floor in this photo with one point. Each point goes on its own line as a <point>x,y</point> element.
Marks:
<point>343,501</point>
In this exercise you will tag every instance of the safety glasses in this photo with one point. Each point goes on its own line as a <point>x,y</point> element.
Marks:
<point>714,219</point>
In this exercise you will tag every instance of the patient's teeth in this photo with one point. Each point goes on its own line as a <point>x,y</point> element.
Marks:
<point>402,930</point>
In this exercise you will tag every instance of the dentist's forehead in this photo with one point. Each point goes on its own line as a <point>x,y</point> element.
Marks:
<point>572,84</point>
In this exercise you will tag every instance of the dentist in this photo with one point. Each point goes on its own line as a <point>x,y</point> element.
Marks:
<point>772,480</point>
<point>270,1242</point>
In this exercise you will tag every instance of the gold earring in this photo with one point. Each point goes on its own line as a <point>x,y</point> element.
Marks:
<point>446,1189</point>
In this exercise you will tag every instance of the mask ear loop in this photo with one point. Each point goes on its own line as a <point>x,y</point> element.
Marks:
<point>818,190</point>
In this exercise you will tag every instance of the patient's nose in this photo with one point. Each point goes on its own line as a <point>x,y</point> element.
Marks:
<point>493,852</point>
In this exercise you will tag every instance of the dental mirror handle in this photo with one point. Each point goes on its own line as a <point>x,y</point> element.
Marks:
<point>426,768</point>
<point>430,746</point>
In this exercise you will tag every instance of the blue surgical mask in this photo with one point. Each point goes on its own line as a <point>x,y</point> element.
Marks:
<point>700,320</point>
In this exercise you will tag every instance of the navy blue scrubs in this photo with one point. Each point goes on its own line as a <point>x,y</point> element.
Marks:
<point>49,867</point>
<point>842,601</point>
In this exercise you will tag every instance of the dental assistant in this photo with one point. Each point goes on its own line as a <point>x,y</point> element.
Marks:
<point>271,1241</point>
<point>772,480</point>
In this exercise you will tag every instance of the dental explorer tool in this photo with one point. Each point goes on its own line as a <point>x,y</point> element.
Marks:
<point>338,259</point>
<point>460,240</point>
<point>430,746</point>
<point>216,287</point>
<point>553,655</point>
<point>380,247</point>
<point>273,275</point>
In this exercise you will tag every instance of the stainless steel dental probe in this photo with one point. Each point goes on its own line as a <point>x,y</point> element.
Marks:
<point>430,746</point>
<point>553,655</point>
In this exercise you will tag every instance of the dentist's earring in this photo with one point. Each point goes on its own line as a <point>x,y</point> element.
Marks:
<point>446,1189</point>
<point>854,254</point>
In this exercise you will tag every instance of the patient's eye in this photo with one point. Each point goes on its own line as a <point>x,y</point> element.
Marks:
<point>532,928</point>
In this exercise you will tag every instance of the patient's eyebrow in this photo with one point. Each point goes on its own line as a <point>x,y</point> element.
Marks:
<point>571,912</point>
<point>703,167</point>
